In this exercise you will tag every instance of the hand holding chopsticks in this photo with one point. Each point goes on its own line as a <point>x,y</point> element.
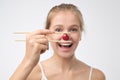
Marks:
<point>48,37</point>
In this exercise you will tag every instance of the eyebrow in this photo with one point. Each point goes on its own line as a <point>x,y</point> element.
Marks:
<point>56,26</point>
<point>75,26</point>
<point>59,25</point>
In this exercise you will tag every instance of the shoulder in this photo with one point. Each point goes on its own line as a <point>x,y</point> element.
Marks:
<point>35,74</point>
<point>97,74</point>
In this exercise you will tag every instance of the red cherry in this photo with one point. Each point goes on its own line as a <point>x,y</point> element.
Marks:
<point>65,36</point>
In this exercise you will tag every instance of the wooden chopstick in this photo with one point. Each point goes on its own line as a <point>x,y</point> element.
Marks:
<point>29,32</point>
<point>58,41</point>
<point>20,40</point>
<point>21,32</point>
<point>48,40</point>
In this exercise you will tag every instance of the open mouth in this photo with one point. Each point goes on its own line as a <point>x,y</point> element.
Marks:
<point>65,45</point>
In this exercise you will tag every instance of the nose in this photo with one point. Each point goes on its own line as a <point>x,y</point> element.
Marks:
<point>65,36</point>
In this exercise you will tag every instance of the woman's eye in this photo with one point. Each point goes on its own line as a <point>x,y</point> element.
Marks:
<point>58,30</point>
<point>74,30</point>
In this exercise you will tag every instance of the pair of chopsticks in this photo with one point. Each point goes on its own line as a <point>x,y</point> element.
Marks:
<point>50,40</point>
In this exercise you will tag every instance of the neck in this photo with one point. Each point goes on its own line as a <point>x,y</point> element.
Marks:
<point>64,63</point>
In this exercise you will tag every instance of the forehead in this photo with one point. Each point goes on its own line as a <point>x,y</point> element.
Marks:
<point>65,18</point>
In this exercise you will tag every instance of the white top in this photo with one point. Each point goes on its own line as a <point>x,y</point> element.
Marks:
<point>45,78</point>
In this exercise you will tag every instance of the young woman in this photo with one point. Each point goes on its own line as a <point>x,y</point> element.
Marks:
<point>64,28</point>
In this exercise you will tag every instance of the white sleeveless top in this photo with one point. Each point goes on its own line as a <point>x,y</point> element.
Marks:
<point>45,78</point>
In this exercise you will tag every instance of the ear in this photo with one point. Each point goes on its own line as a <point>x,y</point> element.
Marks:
<point>80,36</point>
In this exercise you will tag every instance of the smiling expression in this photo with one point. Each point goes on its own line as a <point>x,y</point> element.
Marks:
<point>67,23</point>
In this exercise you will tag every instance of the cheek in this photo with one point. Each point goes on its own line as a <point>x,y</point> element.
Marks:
<point>55,36</point>
<point>53,45</point>
<point>76,37</point>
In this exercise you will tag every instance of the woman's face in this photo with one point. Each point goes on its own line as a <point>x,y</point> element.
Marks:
<point>65,22</point>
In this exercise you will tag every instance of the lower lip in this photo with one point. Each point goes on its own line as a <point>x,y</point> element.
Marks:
<point>65,49</point>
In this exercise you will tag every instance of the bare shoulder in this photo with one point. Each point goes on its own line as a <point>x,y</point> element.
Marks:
<point>35,74</point>
<point>97,74</point>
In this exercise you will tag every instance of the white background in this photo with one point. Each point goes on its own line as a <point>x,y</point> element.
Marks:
<point>100,46</point>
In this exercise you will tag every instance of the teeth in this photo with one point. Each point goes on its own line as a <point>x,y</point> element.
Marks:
<point>65,44</point>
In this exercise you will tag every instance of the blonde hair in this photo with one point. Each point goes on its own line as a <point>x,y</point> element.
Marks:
<point>64,7</point>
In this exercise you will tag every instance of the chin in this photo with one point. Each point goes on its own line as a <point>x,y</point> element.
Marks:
<point>65,55</point>
<point>64,49</point>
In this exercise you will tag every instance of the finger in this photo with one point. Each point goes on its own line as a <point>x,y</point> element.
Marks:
<point>39,36</point>
<point>41,41</point>
<point>33,36</point>
<point>43,32</point>
<point>39,47</point>
<point>43,48</point>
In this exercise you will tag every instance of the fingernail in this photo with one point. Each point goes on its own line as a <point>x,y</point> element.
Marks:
<point>48,47</point>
